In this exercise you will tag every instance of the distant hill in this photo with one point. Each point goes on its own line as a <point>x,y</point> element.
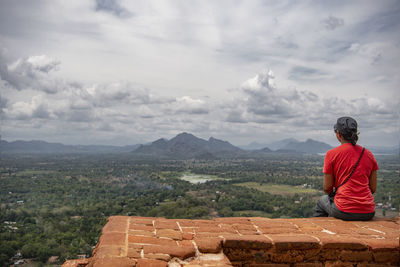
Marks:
<point>186,145</point>
<point>42,147</point>
<point>273,146</point>
<point>310,146</point>
<point>281,144</point>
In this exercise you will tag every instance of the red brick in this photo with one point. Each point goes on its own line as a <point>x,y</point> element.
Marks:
<point>338,264</point>
<point>133,245</point>
<point>387,256</point>
<point>134,253</point>
<point>112,239</point>
<point>200,235</point>
<point>158,256</point>
<point>186,223</point>
<point>141,227</point>
<point>226,228</point>
<point>187,236</point>
<point>168,233</point>
<point>237,226</point>
<point>213,229</point>
<point>166,224</point>
<point>372,265</point>
<point>209,245</point>
<point>140,232</point>
<point>143,220</point>
<point>185,243</point>
<point>355,256</point>
<point>210,263</point>
<point>248,232</point>
<point>294,241</point>
<point>279,230</point>
<point>151,240</point>
<point>247,242</point>
<point>173,251</point>
<point>113,261</point>
<point>382,244</point>
<point>266,265</point>
<point>341,242</point>
<point>150,263</point>
<point>116,224</point>
<point>205,222</point>
<point>308,264</point>
<point>76,263</point>
<point>111,251</point>
<point>233,220</point>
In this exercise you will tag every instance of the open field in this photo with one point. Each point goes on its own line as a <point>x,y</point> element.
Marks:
<point>198,178</point>
<point>279,189</point>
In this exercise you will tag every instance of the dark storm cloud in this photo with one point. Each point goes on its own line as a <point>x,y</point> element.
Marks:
<point>112,7</point>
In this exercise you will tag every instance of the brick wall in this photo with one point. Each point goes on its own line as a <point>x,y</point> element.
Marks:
<point>143,241</point>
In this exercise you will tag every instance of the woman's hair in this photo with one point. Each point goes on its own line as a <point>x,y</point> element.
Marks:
<point>351,136</point>
<point>347,127</point>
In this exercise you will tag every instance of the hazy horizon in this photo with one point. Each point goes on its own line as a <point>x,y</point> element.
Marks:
<point>118,72</point>
<point>204,138</point>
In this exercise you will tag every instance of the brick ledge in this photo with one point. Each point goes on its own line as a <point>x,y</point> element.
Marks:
<point>145,241</point>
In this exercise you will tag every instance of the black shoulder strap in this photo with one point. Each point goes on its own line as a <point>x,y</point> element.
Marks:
<point>348,177</point>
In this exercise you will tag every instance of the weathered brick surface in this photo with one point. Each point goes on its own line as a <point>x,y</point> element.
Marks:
<point>247,242</point>
<point>112,261</point>
<point>144,241</point>
<point>151,263</point>
<point>209,245</point>
<point>181,252</point>
<point>76,263</point>
<point>151,240</point>
<point>169,233</point>
<point>112,239</point>
<point>341,242</point>
<point>355,256</point>
<point>294,242</point>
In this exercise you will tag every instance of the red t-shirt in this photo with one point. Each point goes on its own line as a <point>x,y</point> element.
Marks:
<point>354,196</point>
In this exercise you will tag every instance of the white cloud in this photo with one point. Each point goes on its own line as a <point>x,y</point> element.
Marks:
<point>189,105</point>
<point>36,108</point>
<point>31,73</point>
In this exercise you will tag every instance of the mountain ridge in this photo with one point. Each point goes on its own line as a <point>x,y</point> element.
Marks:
<point>183,145</point>
<point>186,145</point>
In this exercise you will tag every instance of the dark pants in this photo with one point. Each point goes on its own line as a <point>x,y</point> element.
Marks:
<point>326,208</point>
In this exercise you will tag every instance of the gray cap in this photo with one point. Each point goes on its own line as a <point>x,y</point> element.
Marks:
<point>345,125</point>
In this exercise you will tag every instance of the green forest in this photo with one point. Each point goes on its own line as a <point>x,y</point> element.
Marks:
<point>56,205</point>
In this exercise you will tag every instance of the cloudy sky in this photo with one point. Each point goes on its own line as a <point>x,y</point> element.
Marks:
<point>126,72</point>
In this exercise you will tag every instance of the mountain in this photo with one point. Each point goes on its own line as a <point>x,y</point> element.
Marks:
<point>310,146</point>
<point>186,145</point>
<point>253,146</point>
<point>42,147</point>
<point>281,144</point>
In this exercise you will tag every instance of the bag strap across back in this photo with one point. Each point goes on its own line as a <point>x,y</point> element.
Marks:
<point>348,177</point>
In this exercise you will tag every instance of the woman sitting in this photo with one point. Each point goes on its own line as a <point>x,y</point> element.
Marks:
<point>349,177</point>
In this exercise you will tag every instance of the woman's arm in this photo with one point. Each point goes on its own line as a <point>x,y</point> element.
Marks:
<point>328,183</point>
<point>373,181</point>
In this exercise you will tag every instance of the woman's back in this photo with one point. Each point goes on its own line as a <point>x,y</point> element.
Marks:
<point>355,195</point>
